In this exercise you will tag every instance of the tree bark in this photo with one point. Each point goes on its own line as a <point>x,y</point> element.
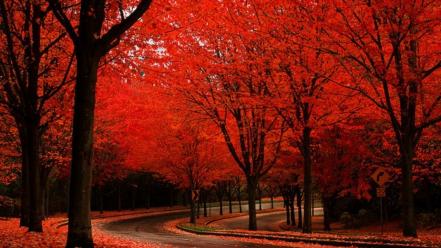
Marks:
<point>80,230</point>
<point>205,205</point>
<point>291,206</point>
<point>252,187</point>
<point>408,205</point>
<point>192,208</point>
<point>307,188</point>
<point>286,203</point>
<point>24,196</point>
<point>299,206</point>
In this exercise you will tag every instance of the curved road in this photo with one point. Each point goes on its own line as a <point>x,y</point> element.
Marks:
<point>150,229</point>
<point>266,221</point>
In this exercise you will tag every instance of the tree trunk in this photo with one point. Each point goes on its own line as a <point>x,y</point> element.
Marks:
<point>24,206</point>
<point>272,201</point>
<point>409,222</point>
<point>205,206</point>
<point>299,206</point>
<point>286,203</point>
<point>291,206</point>
<point>192,208</point>
<point>36,200</point>
<point>307,188</point>
<point>252,187</point>
<point>80,230</point>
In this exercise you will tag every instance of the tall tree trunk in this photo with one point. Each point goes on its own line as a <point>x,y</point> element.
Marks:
<point>205,205</point>
<point>36,200</point>
<point>192,208</point>
<point>307,188</point>
<point>286,203</point>
<point>24,196</point>
<point>299,206</point>
<point>408,205</point>
<point>291,206</point>
<point>80,230</point>
<point>251,188</point>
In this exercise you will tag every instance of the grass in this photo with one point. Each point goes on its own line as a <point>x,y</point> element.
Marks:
<point>197,228</point>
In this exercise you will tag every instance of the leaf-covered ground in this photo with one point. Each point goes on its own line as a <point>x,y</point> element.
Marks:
<point>12,236</point>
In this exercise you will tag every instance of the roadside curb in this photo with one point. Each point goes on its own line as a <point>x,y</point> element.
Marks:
<point>322,241</point>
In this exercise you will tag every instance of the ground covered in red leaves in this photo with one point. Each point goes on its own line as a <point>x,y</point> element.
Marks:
<point>12,236</point>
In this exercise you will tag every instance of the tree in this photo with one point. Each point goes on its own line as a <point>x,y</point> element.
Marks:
<point>34,49</point>
<point>391,57</point>
<point>90,44</point>
<point>221,74</point>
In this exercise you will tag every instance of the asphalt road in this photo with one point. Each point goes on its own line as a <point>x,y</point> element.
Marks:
<point>265,222</point>
<point>150,229</point>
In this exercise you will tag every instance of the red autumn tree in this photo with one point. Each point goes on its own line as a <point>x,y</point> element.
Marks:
<point>35,50</point>
<point>390,53</point>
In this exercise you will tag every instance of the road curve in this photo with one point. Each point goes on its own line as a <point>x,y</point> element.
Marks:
<point>265,222</point>
<point>151,229</point>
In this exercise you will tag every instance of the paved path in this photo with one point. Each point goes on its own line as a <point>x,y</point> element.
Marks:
<point>150,229</point>
<point>265,221</point>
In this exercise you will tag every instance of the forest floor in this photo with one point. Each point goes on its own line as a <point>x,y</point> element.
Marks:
<point>55,231</point>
